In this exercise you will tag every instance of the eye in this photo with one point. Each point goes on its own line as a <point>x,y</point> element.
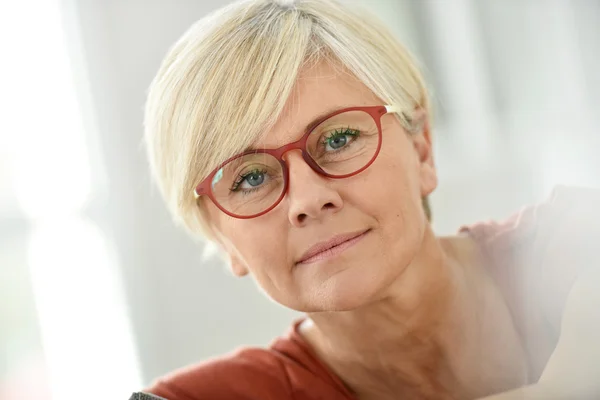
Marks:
<point>254,178</point>
<point>249,180</point>
<point>339,138</point>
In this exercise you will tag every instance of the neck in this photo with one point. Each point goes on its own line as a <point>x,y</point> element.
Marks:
<point>442,331</point>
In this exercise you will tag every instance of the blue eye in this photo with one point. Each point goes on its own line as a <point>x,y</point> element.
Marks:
<point>337,142</point>
<point>249,180</point>
<point>340,138</point>
<point>254,178</point>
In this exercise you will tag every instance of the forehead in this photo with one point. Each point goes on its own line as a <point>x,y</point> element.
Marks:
<point>319,90</point>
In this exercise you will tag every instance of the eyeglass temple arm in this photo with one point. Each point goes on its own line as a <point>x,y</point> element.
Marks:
<point>391,109</point>
<point>396,110</point>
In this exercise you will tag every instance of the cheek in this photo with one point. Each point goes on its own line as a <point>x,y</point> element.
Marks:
<point>394,200</point>
<point>256,240</point>
<point>391,183</point>
<point>262,244</point>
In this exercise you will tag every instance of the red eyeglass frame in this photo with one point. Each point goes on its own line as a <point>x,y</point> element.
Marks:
<point>376,112</point>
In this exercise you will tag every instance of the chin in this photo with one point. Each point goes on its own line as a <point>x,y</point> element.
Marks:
<point>348,290</point>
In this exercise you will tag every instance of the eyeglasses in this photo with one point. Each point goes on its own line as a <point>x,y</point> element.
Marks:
<point>340,145</point>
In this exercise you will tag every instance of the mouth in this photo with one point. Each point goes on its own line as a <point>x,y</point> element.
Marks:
<point>332,247</point>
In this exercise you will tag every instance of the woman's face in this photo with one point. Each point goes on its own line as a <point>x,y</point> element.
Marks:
<point>384,202</point>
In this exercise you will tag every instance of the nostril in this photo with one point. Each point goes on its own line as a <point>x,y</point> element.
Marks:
<point>329,206</point>
<point>301,217</point>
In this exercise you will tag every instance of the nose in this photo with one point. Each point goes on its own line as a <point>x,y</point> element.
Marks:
<point>310,195</point>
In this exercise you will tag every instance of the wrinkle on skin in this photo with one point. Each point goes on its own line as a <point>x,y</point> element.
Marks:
<point>401,313</point>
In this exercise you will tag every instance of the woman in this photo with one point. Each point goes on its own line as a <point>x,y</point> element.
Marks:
<point>296,136</point>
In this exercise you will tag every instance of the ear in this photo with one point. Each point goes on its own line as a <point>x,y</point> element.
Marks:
<point>238,267</point>
<point>422,144</point>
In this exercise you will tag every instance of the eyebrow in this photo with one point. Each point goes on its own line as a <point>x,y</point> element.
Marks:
<point>308,126</point>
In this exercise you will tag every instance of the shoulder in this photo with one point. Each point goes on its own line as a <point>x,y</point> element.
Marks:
<point>248,374</point>
<point>560,234</point>
<point>564,224</point>
<point>545,247</point>
<point>566,206</point>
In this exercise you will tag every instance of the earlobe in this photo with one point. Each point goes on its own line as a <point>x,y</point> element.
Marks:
<point>422,144</point>
<point>424,149</point>
<point>236,263</point>
<point>237,266</point>
<point>428,179</point>
<point>422,138</point>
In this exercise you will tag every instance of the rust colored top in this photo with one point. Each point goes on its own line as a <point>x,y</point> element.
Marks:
<point>287,369</point>
<point>535,257</point>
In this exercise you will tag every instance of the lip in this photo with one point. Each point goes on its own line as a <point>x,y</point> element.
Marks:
<point>331,247</point>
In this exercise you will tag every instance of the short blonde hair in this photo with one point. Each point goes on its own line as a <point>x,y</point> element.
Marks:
<point>227,79</point>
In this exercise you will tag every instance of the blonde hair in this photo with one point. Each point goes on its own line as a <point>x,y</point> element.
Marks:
<point>227,79</point>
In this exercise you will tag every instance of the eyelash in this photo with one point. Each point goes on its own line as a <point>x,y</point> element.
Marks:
<point>341,132</point>
<point>337,132</point>
<point>242,177</point>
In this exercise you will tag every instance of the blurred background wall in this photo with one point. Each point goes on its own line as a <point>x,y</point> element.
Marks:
<point>99,290</point>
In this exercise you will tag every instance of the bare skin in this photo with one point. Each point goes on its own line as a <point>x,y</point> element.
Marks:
<point>402,313</point>
<point>455,339</point>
